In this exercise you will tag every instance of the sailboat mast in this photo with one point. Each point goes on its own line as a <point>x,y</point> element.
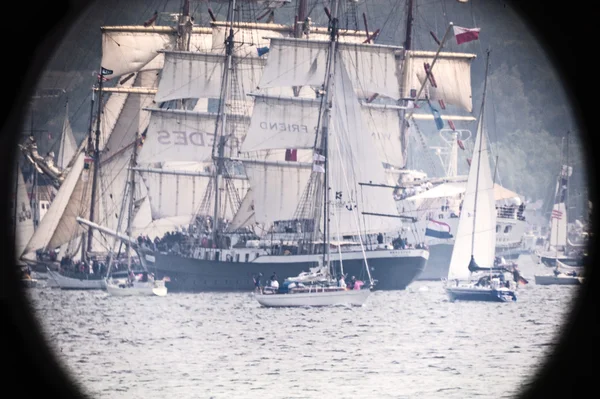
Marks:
<point>133,163</point>
<point>487,64</point>
<point>96,160</point>
<point>89,145</point>
<point>333,30</point>
<point>220,138</point>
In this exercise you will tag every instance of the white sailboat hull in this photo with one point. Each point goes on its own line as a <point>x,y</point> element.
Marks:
<point>558,280</point>
<point>69,283</point>
<point>315,298</point>
<point>157,288</point>
<point>483,294</point>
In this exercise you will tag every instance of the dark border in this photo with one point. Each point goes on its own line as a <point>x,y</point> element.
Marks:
<point>29,366</point>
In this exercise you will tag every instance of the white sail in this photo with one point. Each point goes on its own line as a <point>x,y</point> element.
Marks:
<point>127,49</point>
<point>277,187</point>
<point>247,41</point>
<point>558,226</point>
<point>172,195</point>
<point>68,145</point>
<point>383,124</point>
<point>179,135</point>
<point>372,69</point>
<point>295,62</point>
<point>22,214</point>
<point>199,75</point>
<point>479,184</point>
<point>112,110</point>
<point>245,215</point>
<point>59,226</point>
<point>451,73</point>
<point>282,122</point>
<point>353,159</point>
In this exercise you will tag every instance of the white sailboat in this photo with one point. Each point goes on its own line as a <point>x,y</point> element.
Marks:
<point>339,162</point>
<point>559,247</point>
<point>476,236</point>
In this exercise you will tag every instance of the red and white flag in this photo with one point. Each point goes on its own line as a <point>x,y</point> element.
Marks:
<point>464,35</point>
<point>556,214</point>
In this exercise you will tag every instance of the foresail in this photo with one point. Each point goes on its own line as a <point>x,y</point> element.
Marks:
<point>282,122</point>
<point>451,74</point>
<point>244,217</point>
<point>484,245</point>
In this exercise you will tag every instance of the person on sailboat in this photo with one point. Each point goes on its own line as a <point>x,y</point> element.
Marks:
<point>342,281</point>
<point>257,287</point>
<point>352,282</point>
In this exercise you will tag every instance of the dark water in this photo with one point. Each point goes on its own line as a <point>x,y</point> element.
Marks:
<point>405,344</point>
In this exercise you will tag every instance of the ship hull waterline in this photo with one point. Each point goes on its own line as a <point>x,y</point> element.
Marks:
<point>392,269</point>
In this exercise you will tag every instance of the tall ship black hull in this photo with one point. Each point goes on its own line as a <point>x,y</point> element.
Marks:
<point>392,269</point>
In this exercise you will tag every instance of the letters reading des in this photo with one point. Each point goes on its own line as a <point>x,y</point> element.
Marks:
<point>284,127</point>
<point>180,137</point>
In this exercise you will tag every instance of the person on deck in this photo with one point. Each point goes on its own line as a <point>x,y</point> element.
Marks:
<point>257,287</point>
<point>342,281</point>
<point>352,282</point>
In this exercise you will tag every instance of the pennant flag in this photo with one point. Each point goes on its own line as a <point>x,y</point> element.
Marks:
<point>338,195</point>
<point>104,71</point>
<point>469,161</point>
<point>429,74</point>
<point>465,35</point>
<point>87,162</point>
<point>262,51</point>
<point>451,124</point>
<point>439,122</point>
<point>438,229</point>
<point>556,214</point>
<point>318,158</point>
<point>460,144</point>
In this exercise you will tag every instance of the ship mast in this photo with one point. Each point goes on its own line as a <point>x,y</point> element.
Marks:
<point>219,143</point>
<point>96,158</point>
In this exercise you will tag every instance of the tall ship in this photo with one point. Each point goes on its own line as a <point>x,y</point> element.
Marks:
<point>234,147</point>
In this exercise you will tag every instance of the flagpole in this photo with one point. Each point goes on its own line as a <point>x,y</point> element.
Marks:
<point>450,25</point>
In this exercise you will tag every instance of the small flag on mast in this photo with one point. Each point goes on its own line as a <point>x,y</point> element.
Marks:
<point>464,35</point>
<point>262,51</point>
<point>556,214</point>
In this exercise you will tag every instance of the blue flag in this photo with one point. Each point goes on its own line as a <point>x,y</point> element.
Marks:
<point>262,51</point>
<point>439,122</point>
